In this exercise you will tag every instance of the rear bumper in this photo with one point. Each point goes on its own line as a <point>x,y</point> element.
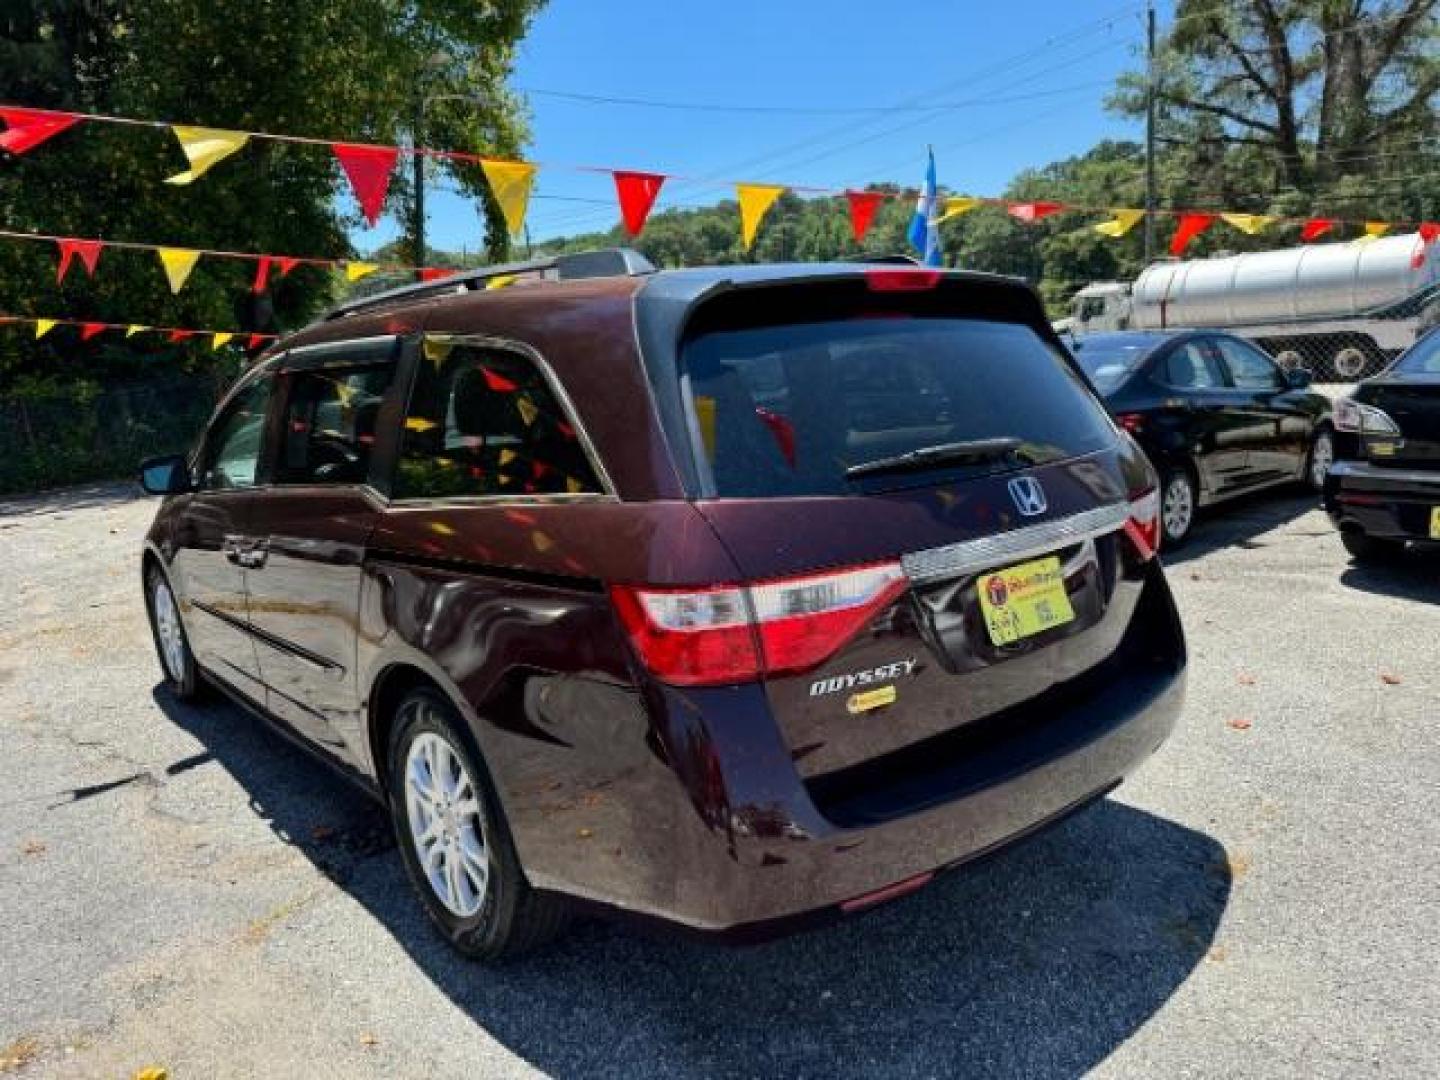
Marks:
<point>1390,503</point>
<point>717,832</point>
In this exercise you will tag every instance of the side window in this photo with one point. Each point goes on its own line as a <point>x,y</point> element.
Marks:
<point>329,425</point>
<point>483,421</point>
<point>1194,367</point>
<point>1250,369</point>
<point>233,446</point>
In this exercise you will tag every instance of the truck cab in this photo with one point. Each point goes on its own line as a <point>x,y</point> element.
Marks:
<point>1105,305</point>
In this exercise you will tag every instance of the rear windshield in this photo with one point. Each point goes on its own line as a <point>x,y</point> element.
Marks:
<point>1110,363</point>
<point>1423,358</point>
<point>785,410</point>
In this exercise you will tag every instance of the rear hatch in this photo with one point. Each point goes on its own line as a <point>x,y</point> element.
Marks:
<point>935,520</point>
<point>1412,401</point>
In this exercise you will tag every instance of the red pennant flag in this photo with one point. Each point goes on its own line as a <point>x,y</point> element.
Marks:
<point>435,273</point>
<point>863,205</point>
<point>181,335</point>
<point>636,192</point>
<point>255,341</point>
<point>88,250</point>
<point>498,383</point>
<point>286,265</point>
<point>1031,212</point>
<point>1429,232</point>
<point>262,274</point>
<point>1316,228</point>
<point>1190,226</point>
<point>368,169</point>
<point>90,329</point>
<point>26,129</point>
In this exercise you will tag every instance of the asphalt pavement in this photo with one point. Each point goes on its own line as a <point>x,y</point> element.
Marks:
<point>179,888</point>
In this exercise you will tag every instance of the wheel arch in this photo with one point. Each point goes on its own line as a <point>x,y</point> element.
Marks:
<point>390,685</point>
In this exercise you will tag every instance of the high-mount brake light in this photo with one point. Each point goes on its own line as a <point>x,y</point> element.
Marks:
<point>902,280</point>
<point>1143,524</point>
<point>738,633</point>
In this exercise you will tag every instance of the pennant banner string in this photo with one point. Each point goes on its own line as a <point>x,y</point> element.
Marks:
<point>89,328</point>
<point>29,127</point>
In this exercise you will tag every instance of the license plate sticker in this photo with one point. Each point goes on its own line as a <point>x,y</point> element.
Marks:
<point>1024,600</point>
<point>1435,523</point>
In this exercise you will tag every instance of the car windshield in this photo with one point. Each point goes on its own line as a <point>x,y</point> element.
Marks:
<point>1423,358</point>
<point>1109,363</point>
<point>792,409</point>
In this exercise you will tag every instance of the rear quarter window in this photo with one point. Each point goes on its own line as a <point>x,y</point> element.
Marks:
<point>785,409</point>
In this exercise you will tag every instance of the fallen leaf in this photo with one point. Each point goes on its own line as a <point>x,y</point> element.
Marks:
<point>18,1054</point>
<point>368,1039</point>
<point>585,834</point>
<point>1194,575</point>
<point>1389,678</point>
<point>33,847</point>
<point>322,832</point>
<point>1246,680</point>
<point>152,1072</point>
<point>1239,723</point>
<point>1218,954</point>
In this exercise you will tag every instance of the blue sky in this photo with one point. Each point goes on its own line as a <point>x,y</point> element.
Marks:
<point>1023,84</point>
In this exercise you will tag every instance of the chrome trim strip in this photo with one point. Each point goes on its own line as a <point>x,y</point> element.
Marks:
<point>1365,471</point>
<point>983,553</point>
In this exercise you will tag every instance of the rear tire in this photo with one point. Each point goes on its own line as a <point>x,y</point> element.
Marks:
<point>1374,550</point>
<point>1177,507</point>
<point>1320,458</point>
<point>452,834</point>
<point>172,646</point>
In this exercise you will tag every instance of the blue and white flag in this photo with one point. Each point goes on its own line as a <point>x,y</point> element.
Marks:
<point>925,225</point>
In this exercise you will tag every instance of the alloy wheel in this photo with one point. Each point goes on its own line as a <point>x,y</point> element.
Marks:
<point>447,824</point>
<point>1322,456</point>
<point>1177,510</point>
<point>167,628</point>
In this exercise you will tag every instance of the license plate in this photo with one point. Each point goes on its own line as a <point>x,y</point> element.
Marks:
<point>1435,523</point>
<point>1024,600</point>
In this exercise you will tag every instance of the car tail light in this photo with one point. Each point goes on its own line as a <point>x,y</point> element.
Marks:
<point>1143,524</point>
<point>902,280</point>
<point>1353,416</point>
<point>738,633</point>
<point>1131,421</point>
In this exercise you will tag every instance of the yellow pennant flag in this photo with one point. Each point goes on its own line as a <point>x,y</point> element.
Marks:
<point>510,181</point>
<point>178,263</point>
<point>1249,224</point>
<point>204,147</point>
<point>44,326</point>
<point>959,204</point>
<point>354,271</point>
<point>755,201</point>
<point>1121,223</point>
<point>135,328</point>
<point>219,339</point>
<point>1373,231</point>
<point>499,281</point>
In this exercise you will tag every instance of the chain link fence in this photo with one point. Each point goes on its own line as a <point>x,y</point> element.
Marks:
<point>76,436</point>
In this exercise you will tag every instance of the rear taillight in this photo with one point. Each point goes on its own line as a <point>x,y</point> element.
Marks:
<point>1131,421</point>
<point>1362,419</point>
<point>1143,524</point>
<point>739,633</point>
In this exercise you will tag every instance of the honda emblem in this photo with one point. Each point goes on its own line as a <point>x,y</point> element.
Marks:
<point>1029,496</point>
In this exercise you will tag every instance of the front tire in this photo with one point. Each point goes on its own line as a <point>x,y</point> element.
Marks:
<point>1177,507</point>
<point>1372,550</point>
<point>454,838</point>
<point>177,662</point>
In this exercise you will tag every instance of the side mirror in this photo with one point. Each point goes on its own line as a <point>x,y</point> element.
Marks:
<point>1297,378</point>
<point>169,475</point>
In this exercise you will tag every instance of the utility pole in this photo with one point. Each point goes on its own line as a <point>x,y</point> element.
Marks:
<point>418,164</point>
<point>1150,78</point>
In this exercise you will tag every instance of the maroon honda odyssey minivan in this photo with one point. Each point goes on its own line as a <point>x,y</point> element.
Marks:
<point>729,597</point>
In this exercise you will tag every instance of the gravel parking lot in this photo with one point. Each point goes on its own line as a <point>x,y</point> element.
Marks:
<point>180,888</point>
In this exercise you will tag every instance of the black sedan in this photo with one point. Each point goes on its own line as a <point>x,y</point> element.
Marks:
<point>1384,489</point>
<point>1215,414</point>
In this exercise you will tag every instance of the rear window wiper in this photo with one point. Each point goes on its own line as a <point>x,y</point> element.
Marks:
<point>971,450</point>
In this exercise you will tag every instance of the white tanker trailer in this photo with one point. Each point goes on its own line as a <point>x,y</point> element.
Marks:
<point>1341,310</point>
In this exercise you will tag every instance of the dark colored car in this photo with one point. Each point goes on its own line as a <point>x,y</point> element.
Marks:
<point>728,597</point>
<point>1384,488</point>
<point>1214,413</point>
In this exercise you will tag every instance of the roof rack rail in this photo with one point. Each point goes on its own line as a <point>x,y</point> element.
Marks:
<point>604,262</point>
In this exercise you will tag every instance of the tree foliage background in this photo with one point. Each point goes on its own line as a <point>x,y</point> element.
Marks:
<point>353,71</point>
